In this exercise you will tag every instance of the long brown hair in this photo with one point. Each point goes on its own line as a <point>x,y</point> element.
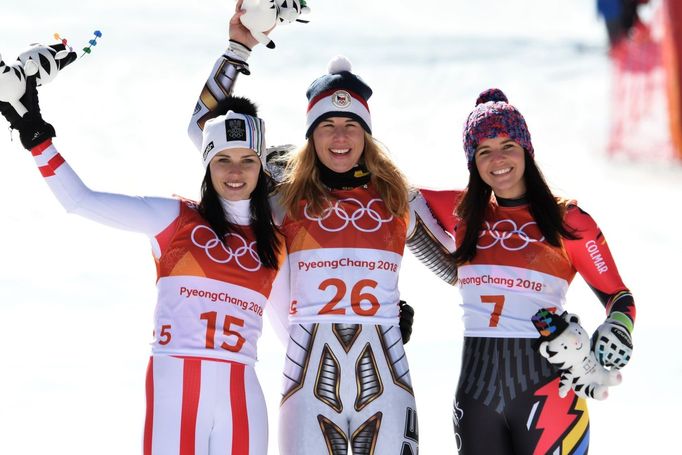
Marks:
<point>543,206</point>
<point>302,180</point>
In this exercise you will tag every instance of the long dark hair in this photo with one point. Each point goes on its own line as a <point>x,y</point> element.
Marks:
<point>543,206</point>
<point>262,224</point>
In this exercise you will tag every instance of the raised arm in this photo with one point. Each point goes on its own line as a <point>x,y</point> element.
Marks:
<point>147,215</point>
<point>428,234</point>
<point>220,82</point>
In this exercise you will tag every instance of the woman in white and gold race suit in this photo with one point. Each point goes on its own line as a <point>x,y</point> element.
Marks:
<point>216,262</point>
<point>346,214</point>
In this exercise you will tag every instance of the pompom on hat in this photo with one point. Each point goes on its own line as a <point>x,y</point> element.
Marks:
<point>230,131</point>
<point>339,93</point>
<point>493,116</point>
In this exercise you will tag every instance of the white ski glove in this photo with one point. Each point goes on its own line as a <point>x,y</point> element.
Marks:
<point>612,341</point>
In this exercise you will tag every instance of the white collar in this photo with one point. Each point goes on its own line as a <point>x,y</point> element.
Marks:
<point>237,212</point>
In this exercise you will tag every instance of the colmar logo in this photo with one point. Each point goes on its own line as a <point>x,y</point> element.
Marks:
<point>598,260</point>
<point>341,99</point>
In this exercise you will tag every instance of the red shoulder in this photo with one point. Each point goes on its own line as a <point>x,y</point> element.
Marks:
<point>443,204</point>
<point>576,218</point>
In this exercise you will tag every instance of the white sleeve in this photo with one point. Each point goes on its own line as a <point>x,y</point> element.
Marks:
<point>147,215</point>
<point>280,296</point>
<point>277,308</point>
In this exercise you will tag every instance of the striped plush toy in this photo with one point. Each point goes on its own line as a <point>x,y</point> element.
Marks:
<point>566,345</point>
<point>42,61</point>
<point>262,15</point>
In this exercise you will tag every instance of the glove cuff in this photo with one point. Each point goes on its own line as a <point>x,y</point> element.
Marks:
<point>236,54</point>
<point>621,319</point>
<point>239,50</point>
<point>35,133</point>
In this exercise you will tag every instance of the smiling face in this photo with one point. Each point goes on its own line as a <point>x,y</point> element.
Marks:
<point>339,143</point>
<point>234,173</point>
<point>501,162</point>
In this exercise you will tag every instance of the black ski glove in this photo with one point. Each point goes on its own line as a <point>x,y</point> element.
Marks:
<point>406,320</point>
<point>33,130</point>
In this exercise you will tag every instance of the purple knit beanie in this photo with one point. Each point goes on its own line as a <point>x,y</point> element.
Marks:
<point>493,116</point>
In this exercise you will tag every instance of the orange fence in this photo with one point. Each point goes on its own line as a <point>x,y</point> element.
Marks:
<point>672,56</point>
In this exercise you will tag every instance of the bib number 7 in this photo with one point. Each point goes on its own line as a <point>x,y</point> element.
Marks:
<point>498,304</point>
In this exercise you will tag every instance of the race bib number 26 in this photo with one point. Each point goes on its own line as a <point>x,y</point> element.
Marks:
<point>345,286</point>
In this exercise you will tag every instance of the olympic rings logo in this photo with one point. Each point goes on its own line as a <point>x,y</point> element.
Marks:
<point>364,219</point>
<point>507,238</point>
<point>222,253</point>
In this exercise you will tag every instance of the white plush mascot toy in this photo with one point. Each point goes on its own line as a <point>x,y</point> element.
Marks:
<point>12,85</point>
<point>262,15</point>
<point>42,61</point>
<point>566,345</point>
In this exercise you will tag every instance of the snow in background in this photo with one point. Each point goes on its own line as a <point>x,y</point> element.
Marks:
<point>77,297</point>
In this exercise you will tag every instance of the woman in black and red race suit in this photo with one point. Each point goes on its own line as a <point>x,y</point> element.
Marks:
<point>518,249</point>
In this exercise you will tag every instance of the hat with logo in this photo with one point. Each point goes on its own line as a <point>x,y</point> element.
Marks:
<point>231,131</point>
<point>339,93</point>
<point>493,116</point>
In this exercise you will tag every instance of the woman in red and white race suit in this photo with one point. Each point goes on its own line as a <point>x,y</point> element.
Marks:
<point>216,262</point>
<point>518,249</point>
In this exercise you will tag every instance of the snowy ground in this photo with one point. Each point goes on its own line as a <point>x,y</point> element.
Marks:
<point>76,312</point>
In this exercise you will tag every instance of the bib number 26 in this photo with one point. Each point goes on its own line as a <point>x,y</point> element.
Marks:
<point>359,297</point>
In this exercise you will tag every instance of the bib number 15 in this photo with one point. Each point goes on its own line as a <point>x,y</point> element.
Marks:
<point>211,318</point>
<point>228,331</point>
